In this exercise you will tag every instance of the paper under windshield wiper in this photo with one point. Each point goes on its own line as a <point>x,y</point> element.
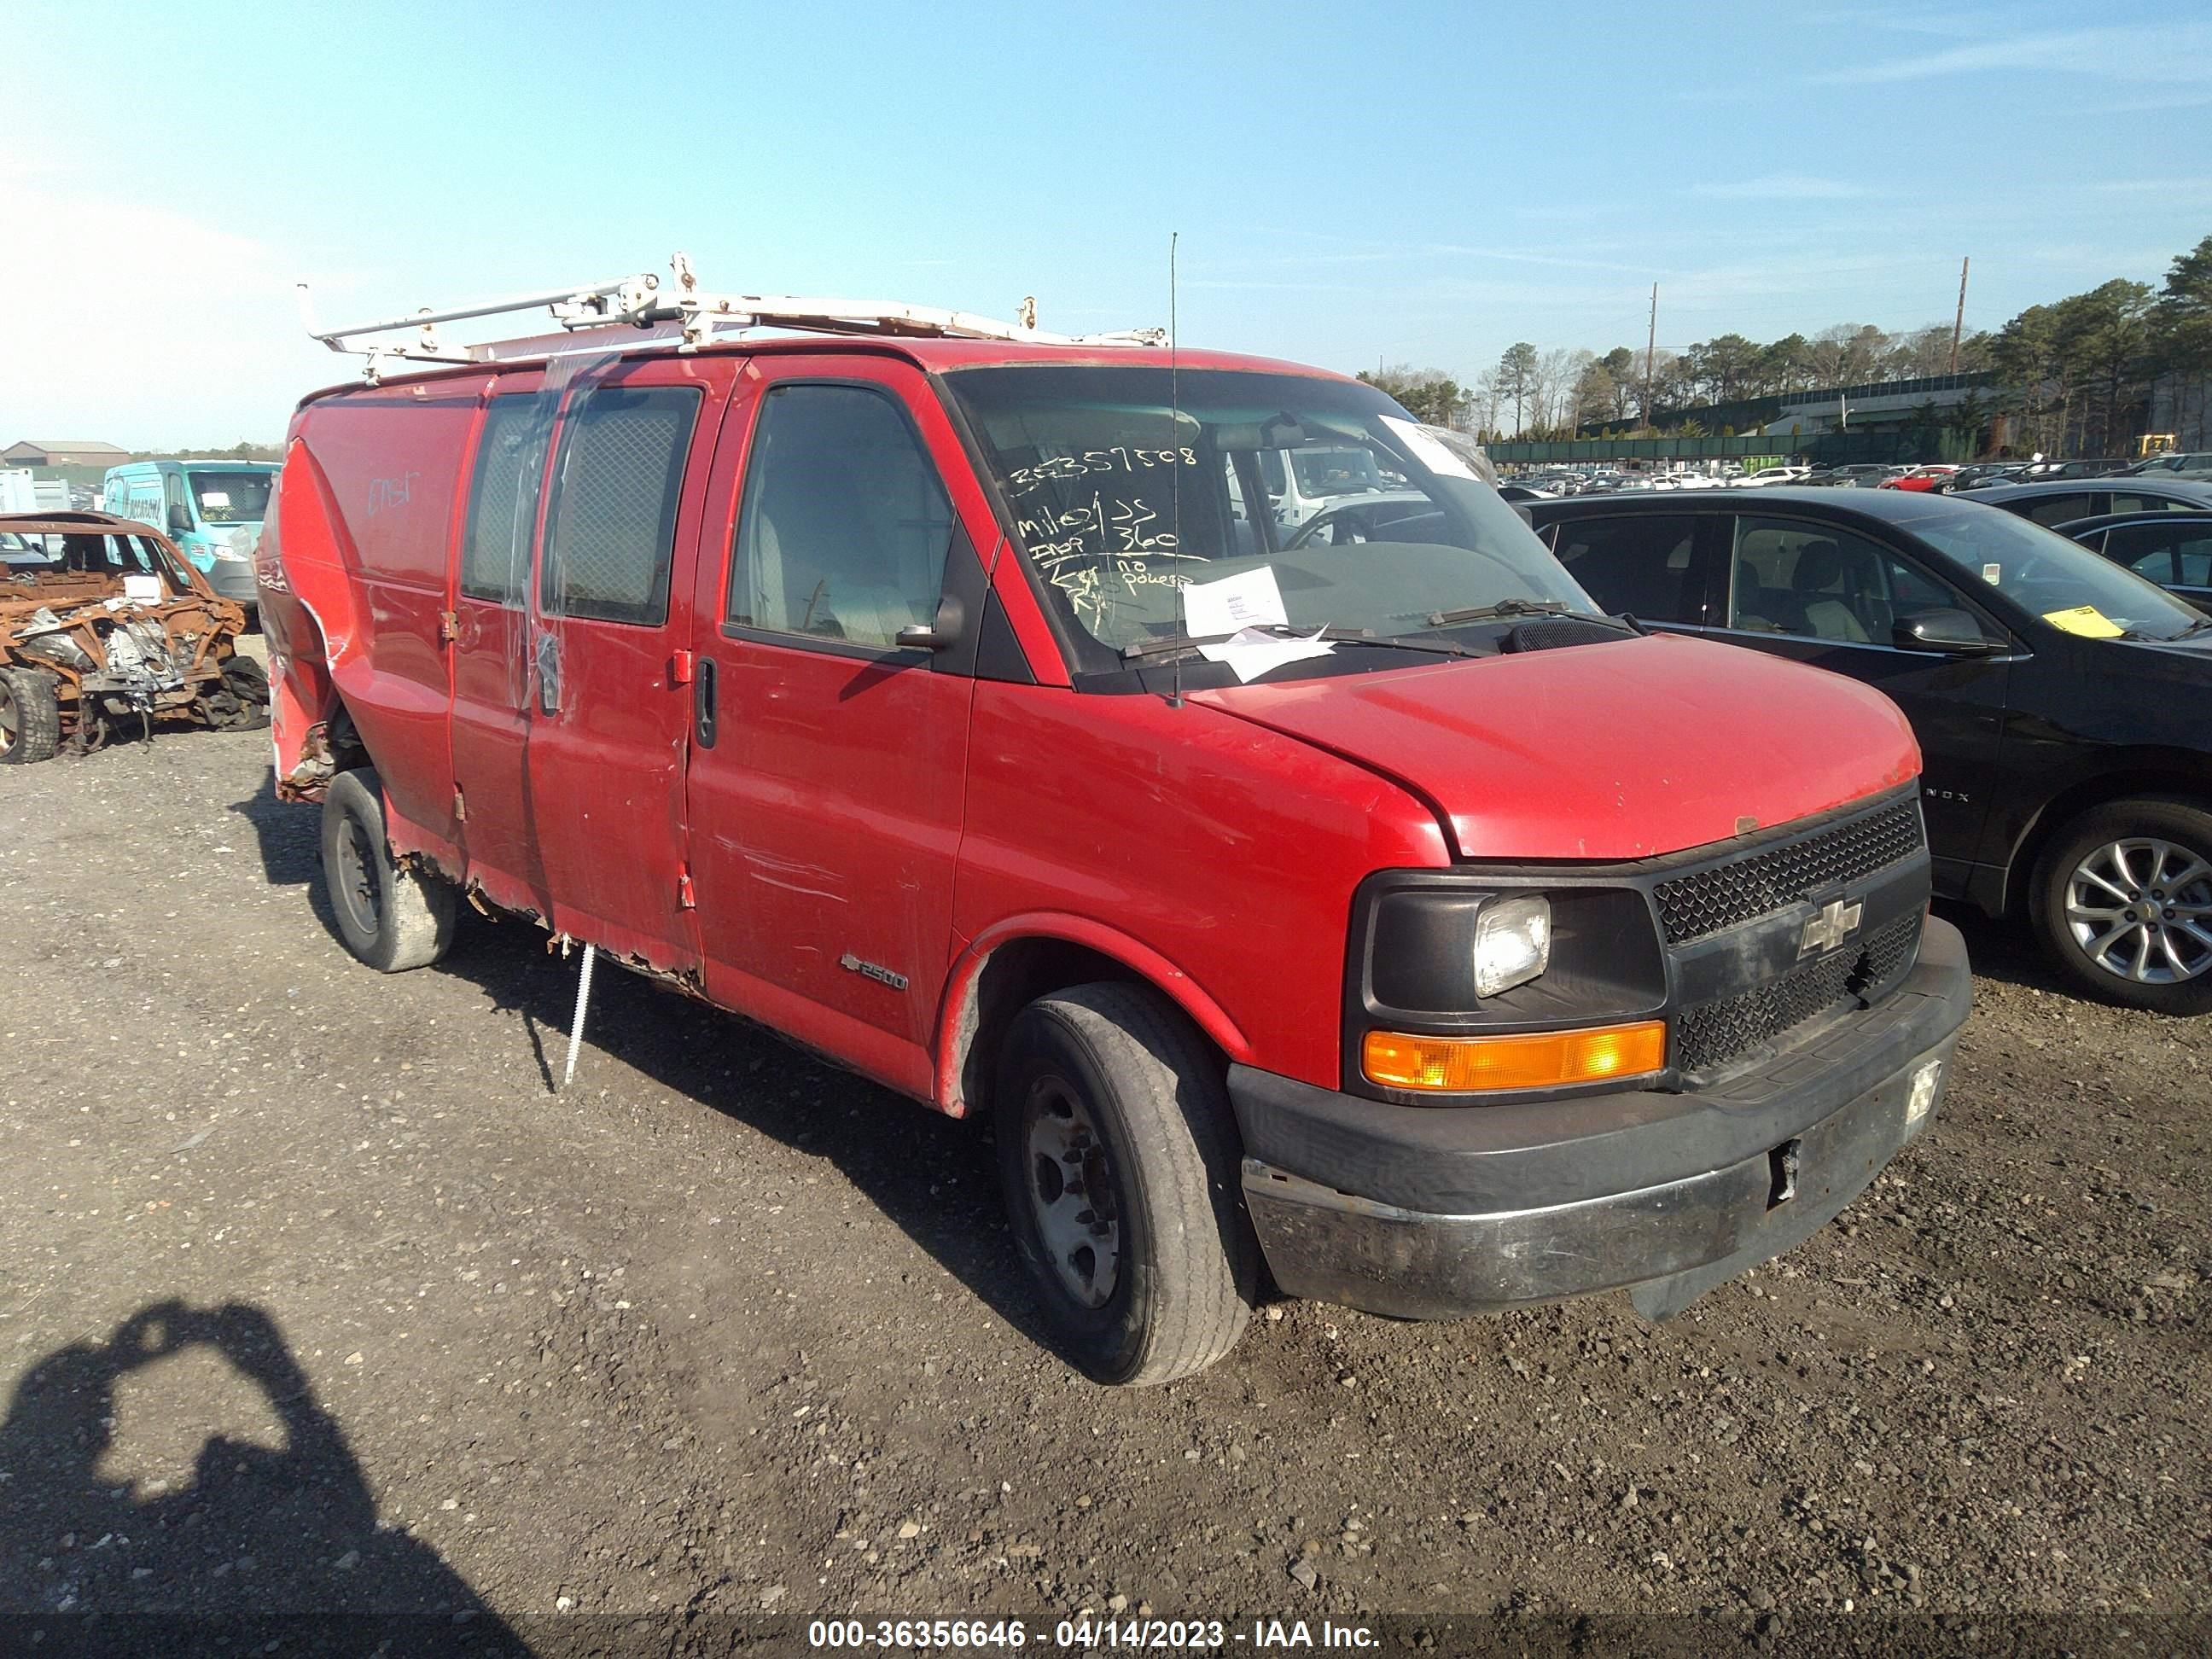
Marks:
<point>1282,630</point>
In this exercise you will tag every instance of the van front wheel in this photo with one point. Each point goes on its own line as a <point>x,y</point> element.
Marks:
<point>390,915</point>
<point>1120,1164</point>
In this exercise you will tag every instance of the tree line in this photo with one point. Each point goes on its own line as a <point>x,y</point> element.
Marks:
<point>2074,376</point>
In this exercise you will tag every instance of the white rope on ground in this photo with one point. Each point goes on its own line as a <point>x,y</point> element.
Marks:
<point>576,1023</point>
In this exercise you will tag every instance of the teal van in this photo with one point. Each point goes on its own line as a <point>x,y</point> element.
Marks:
<point>211,509</point>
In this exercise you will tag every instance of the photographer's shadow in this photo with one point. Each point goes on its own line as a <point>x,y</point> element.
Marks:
<point>256,1535</point>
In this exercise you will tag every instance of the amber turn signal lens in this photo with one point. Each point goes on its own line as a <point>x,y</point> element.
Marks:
<point>1535,1060</point>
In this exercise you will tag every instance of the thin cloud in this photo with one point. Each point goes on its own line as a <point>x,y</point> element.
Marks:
<point>2156,186</point>
<point>2170,53</point>
<point>1782,187</point>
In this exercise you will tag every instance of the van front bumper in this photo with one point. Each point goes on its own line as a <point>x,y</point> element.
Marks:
<point>1432,1212</point>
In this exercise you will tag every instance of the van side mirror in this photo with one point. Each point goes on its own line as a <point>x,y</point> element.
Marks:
<point>938,635</point>
<point>1944,629</point>
<point>180,520</point>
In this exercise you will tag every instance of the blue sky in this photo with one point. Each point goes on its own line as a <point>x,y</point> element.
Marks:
<point>1352,183</point>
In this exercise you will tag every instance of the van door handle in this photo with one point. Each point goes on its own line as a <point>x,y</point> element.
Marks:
<point>702,703</point>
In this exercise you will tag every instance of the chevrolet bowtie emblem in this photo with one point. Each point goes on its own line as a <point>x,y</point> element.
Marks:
<point>1837,921</point>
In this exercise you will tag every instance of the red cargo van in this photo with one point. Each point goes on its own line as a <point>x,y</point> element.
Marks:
<point>1346,898</point>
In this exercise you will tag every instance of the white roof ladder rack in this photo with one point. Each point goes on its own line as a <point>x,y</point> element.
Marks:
<point>636,311</point>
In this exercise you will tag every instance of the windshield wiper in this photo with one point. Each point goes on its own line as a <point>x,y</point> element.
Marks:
<point>1503,608</point>
<point>1333,636</point>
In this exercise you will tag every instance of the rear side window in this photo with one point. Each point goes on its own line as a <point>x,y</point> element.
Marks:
<point>2165,553</point>
<point>1644,565</point>
<point>846,525</point>
<point>612,530</point>
<point>503,503</point>
<point>2058,509</point>
<point>2123,502</point>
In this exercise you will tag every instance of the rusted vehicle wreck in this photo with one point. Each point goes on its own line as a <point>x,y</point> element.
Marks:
<point>105,628</point>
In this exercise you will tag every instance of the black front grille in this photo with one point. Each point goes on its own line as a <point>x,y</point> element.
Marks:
<point>1722,895</point>
<point>1713,1034</point>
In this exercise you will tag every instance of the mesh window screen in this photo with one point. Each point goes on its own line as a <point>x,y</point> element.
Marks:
<point>613,523</point>
<point>496,553</point>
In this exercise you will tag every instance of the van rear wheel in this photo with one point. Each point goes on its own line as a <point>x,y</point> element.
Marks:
<point>2122,898</point>
<point>390,915</point>
<point>1120,1164</point>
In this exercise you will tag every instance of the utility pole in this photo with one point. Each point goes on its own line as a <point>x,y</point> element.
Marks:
<point>1959,322</point>
<point>1651,342</point>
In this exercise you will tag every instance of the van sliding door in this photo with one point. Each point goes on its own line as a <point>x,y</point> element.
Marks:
<point>610,705</point>
<point>491,642</point>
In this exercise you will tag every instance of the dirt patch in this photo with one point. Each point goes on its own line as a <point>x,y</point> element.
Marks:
<point>720,1329</point>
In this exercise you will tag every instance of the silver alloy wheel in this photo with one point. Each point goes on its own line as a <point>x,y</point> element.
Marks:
<point>11,719</point>
<point>1072,1193</point>
<point>2140,909</point>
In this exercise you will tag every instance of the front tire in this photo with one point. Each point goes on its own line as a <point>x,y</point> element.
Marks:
<point>2123,902</point>
<point>1120,1168</point>
<point>390,915</point>
<point>30,716</point>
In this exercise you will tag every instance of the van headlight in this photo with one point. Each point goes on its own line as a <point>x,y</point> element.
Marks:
<point>1512,943</point>
<point>1476,980</point>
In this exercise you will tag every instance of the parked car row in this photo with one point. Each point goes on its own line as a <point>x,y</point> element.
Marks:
<point>2188,464</point>
<point>1607,481</point>
<point>1985,473</point>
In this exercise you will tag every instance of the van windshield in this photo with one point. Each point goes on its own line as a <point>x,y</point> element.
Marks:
<point>230,497</point>
<point>2058,579</point>
<point>1131,485</point>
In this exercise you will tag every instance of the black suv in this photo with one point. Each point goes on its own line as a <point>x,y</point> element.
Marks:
<point>2063,705</point>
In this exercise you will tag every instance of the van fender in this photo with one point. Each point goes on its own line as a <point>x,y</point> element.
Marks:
<point>308,619</point>
<point>960,1016</point>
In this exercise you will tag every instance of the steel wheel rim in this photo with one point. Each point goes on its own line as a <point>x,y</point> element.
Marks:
<point>11,719</point>
<point>356,884</point>
<point>1074,1198</point>
<point>2140,909</point>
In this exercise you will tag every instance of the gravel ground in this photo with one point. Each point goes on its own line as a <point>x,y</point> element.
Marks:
<point>312,1295</point>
